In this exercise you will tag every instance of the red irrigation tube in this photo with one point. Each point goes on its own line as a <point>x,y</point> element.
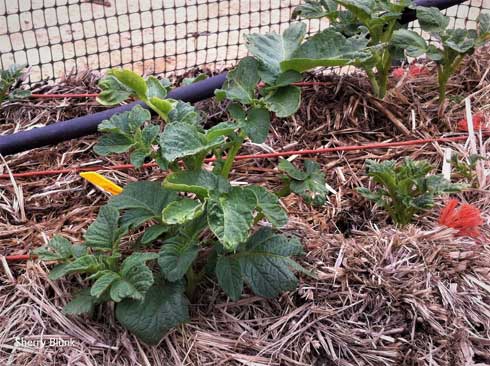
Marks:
<point>95,95</point>
<point>25,257</point>
<point>19,258</point>
<point>380,145</point>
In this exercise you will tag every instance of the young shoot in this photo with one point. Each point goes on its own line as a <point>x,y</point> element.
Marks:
<point>10,80</point>
<point>405,189</point>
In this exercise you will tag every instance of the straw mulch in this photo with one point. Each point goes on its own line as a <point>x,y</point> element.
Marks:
<point>382,296</point>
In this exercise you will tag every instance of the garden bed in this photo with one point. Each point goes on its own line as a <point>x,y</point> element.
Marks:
<point>382,296</point>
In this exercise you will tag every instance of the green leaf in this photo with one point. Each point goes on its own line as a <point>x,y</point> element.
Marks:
<point>287,167</point>
<point>284,101</point>
<point>271,48</point>
<point>176,256</point>
<point>118,123</point>
<point>82,303</point>
<point>104,233</point>
<point>103,283</point>
<point>155,88</point>
<point>241,82</point>
<point>431,19</point>
<point>123,133</point>
<point>437,184</point>
<point>137,117</point>
<point>143,201</point>
<point>132,81</point>
<point>179,212</point>
<point>484,25</point>
<point>200,182</point>
<point>113,143</point>
<point>162,106</point>
<point>434,53</point>
<point>184,112</point>
<point>153,233</point>
<point>283,79</point>
<point>137,158</point>
<point>310,185</point>
<point>180,140</point>
<point>136,259</point>
<point>83,264</point>
<point>268,204</point>
<point>113,92</point>
<point>229,276</point>
<point>362,9</point>
<point>221,129</point>
<point>264,265</point>
<point>460,40</point>
<point>149,134</point>
<point>136,278</point>
<point>312,9</point>
<point>327,48</point>
<point>59,248</point>
<point>230,216</point>
<point>413,43</point>
<point>163,307</point>
<point>256,125</point>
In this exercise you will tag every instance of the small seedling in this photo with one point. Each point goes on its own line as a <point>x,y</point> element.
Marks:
<point>466,168</point>
<point>9,80</point>
<point>405,189</point>
<point>309,184</point>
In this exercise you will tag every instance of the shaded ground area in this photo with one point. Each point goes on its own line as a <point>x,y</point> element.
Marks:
<point>383,296</point>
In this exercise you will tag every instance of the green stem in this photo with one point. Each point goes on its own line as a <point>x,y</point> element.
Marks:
<point>443,77</point>
<point>383,73</point>
<point>374,82</point>
<point>235,147</point>
<point>284,191</point>
<point>193,280</point>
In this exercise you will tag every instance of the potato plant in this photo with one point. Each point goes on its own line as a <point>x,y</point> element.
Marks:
<point>450,45</point>
<point>360,34</point>
<point>201,223</point>
<point>405,189</point>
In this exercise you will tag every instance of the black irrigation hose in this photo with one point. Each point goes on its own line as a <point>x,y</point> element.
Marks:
<point>409,15</point>
<point>86,125</point>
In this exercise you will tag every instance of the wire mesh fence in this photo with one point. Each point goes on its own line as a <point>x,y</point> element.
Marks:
<point>148,36</point>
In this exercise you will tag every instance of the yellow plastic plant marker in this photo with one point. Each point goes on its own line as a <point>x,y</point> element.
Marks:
<point>101,182</point>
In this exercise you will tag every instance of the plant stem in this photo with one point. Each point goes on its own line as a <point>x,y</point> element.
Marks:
<point>383,73</point>
<point>442,76</point>
<point>284,191</point>
<point>374,82</point>
<point>193,280</point>
<point>235,147</point>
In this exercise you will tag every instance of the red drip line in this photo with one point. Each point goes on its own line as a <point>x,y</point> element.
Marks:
<point>14,258</point>
<point>381,145</point>
<point>52,96</point>
<point>19,258</point>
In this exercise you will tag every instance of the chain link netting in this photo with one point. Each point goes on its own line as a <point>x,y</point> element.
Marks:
<point>56,37</point>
